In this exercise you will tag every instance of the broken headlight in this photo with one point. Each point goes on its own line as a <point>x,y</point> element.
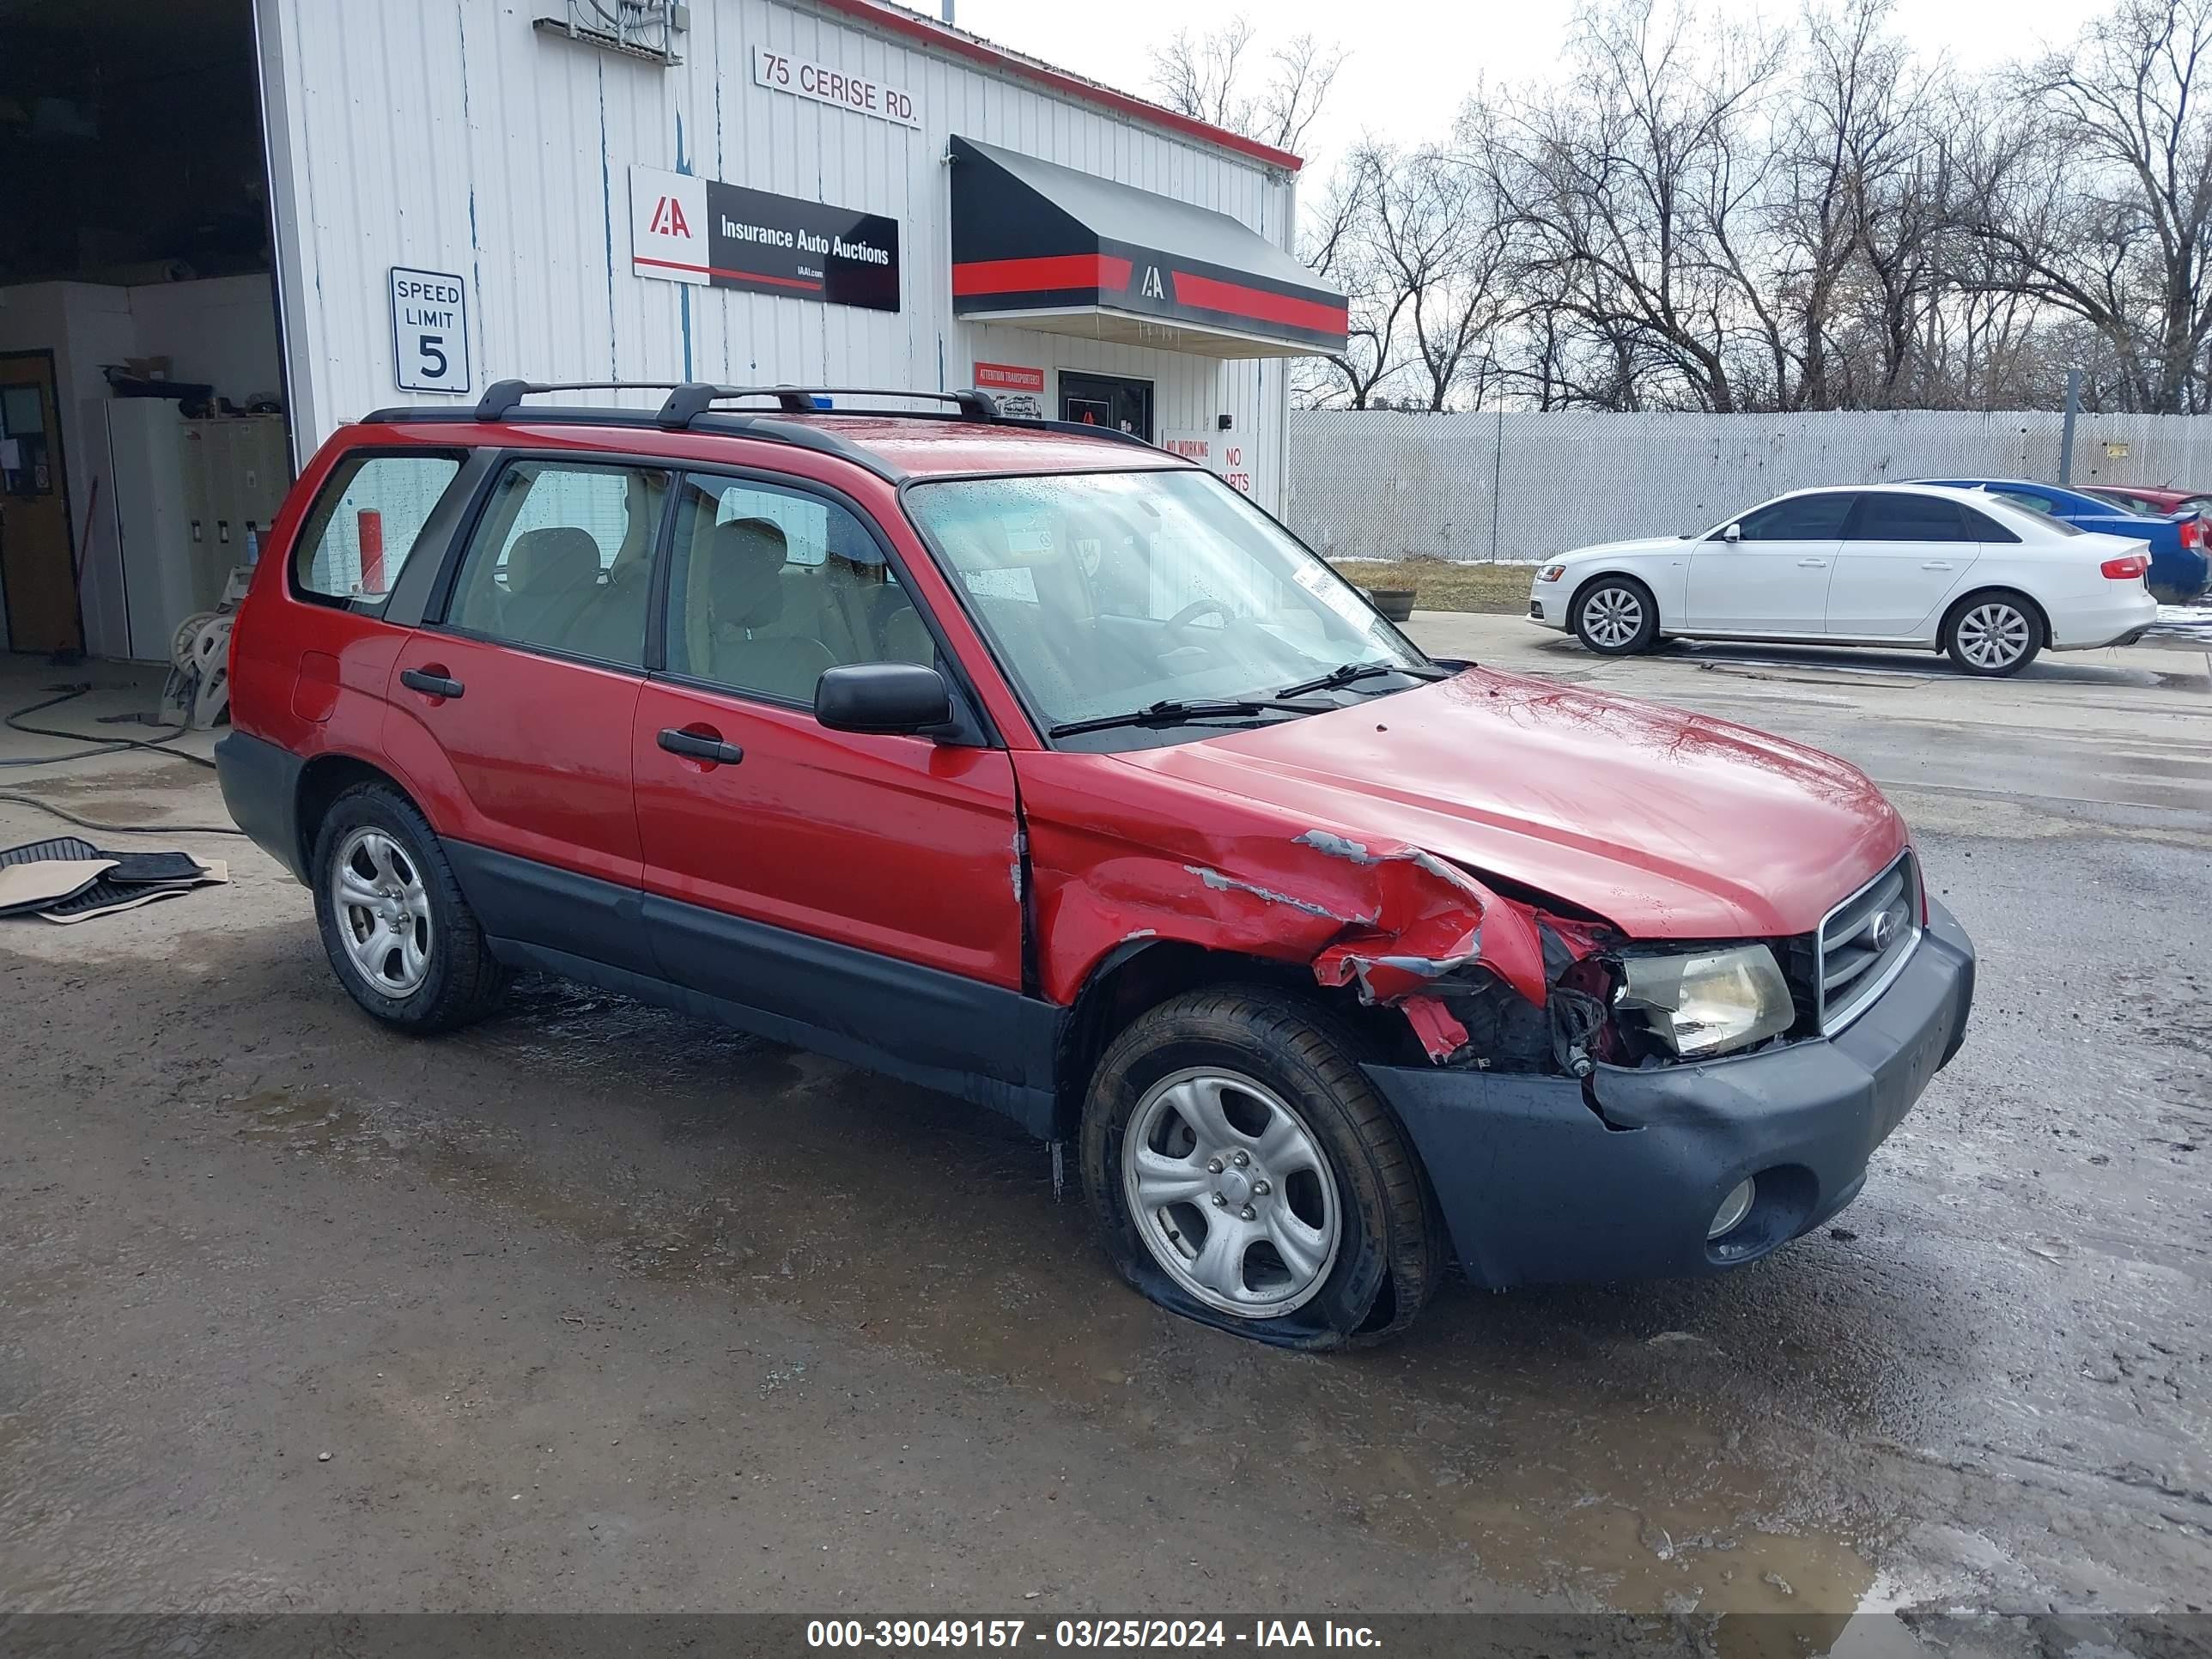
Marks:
<point>1709,1001</point>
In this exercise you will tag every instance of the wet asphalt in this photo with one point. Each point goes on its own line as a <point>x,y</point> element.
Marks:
<point>593,1307</point>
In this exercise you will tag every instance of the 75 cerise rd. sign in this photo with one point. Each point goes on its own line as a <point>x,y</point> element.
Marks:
<point>825,83</point>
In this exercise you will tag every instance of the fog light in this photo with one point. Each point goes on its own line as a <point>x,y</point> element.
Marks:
<point>1733,1208</point>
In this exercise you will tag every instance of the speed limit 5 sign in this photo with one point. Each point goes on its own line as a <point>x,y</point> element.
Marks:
<point>429,331</point>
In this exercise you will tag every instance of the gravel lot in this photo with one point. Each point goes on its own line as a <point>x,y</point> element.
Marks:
<point>591,1308</point>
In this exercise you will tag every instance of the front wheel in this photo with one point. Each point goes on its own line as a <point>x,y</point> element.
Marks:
<point>1617,616</point>
<point>1244,1173</point>
<point>1993,633</point>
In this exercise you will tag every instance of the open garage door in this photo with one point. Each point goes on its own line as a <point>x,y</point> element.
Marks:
<point>141,378</point>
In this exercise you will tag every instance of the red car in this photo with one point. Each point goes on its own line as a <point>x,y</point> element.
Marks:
<point>1030,764</point>
<point>2168,501</point>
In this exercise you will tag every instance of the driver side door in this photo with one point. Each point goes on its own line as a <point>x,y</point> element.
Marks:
<point>1774,580</point>
<point>861,886</point>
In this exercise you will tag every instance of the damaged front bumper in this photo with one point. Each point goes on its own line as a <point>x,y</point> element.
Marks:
<point>1537,1183</point>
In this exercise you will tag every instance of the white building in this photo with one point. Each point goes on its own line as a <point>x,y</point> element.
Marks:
<point>442,193</point>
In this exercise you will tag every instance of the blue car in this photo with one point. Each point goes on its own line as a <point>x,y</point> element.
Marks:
<point>2180,572</point>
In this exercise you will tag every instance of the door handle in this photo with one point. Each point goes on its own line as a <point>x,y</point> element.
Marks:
<point>701,746</point>
<point>430,681</point>
<point>1812,564</point>
<point>1937,564</point>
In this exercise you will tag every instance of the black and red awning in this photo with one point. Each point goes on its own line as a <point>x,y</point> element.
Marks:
<point>1069,253</point>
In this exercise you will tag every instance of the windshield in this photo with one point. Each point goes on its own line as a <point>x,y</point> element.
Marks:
<point>1105,593</point>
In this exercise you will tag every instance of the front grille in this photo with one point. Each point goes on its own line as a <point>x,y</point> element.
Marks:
<point>1865,941</point>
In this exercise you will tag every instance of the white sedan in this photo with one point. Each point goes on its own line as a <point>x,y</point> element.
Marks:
<point>1894,565</point>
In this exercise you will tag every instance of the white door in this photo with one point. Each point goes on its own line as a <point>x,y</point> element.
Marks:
<point>1902,554</point>
<point>1773,579</point>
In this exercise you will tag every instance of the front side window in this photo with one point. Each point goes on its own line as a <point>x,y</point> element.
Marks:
<point>563,560</point>
<point>1106,592</point>
<point>1799,518</point>
<point>769,586</point>
<point>365,524</point>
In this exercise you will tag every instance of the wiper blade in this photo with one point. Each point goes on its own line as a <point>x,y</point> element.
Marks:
<point>1346,673</point>
<point>1175,711</point>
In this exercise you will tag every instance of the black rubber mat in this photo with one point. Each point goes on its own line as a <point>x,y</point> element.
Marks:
<point>108,894</point>
<point>133,868</point>
<point>61,847</point>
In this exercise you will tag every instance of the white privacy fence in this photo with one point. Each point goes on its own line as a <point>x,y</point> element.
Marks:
<point>1520,486</point>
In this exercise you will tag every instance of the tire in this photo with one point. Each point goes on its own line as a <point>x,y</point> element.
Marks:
<point>1993,633</point>
<point>1616,616</point>
<point>1290,1096</point>
<point>435,972</point>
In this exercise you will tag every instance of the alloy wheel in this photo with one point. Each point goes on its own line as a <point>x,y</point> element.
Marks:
<point>383,911</point>
<point>1994,634</point>
<point>1231,1193</point>
<point>1614,615</point>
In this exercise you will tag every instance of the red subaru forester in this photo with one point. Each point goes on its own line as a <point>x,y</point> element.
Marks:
<point>1030,764</point>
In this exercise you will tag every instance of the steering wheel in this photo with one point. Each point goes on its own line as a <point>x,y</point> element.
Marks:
<point>1197,608</point>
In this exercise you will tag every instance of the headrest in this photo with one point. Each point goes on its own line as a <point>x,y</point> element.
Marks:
<point>552,560</point>
<point>743,572</point>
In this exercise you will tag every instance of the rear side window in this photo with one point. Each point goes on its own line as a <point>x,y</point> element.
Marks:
<point>364,527</point>
<point>1902,518</point>
<point>1981,527</point>
<point>1800,519</point>
<point>563,560</point>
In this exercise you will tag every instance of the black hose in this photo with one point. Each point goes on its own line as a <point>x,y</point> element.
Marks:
<point>106,745</point>
<point>22,800</point>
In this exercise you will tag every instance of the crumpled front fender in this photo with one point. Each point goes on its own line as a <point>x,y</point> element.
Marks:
<point>1387,918</point>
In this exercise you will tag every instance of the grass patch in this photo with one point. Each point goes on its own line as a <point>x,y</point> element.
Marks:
<point>1500,589</point>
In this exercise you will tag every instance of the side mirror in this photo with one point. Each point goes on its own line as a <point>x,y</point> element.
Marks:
<point>1733,533</point>
<point>884,697</point>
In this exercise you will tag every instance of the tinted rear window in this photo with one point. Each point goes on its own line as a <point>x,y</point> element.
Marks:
<point>1901,518</point>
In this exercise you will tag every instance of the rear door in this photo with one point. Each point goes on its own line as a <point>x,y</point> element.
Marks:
<point>313,649</point>
<point>1774,580</point>
<point>510,714</point>
<point>1903,553</point>
<point>864,887</point>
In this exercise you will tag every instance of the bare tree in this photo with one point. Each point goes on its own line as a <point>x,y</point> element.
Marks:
<point>1343,248</point>
<point>1444,246</point>
<point>1695,215</point>
<point>2099,202</point>
<point>1627,188</point>
<point>1212,77</point>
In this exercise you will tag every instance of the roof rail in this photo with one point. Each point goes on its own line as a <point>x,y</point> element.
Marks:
<point>502,398</point>
<point>693,398</point>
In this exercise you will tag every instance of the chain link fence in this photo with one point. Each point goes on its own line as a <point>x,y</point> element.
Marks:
<point>1518,486</point>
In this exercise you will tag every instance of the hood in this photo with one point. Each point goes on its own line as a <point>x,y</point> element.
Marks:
<point>1670,824</point>
<point>1608,550</point>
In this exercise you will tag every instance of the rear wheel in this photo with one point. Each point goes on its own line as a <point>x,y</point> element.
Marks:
<point>1993,633</point>
<point>1617,616</point>
<point>398,933</point>
<point>1245,1173</point>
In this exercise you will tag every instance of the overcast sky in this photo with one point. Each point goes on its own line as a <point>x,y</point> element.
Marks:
<point>1412,60</point>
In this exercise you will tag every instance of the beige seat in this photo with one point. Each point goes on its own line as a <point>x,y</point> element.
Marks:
<point>744,597</point>
<point>552,574</point>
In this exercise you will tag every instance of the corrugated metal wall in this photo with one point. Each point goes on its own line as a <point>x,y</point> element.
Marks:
<point>451,135</point>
